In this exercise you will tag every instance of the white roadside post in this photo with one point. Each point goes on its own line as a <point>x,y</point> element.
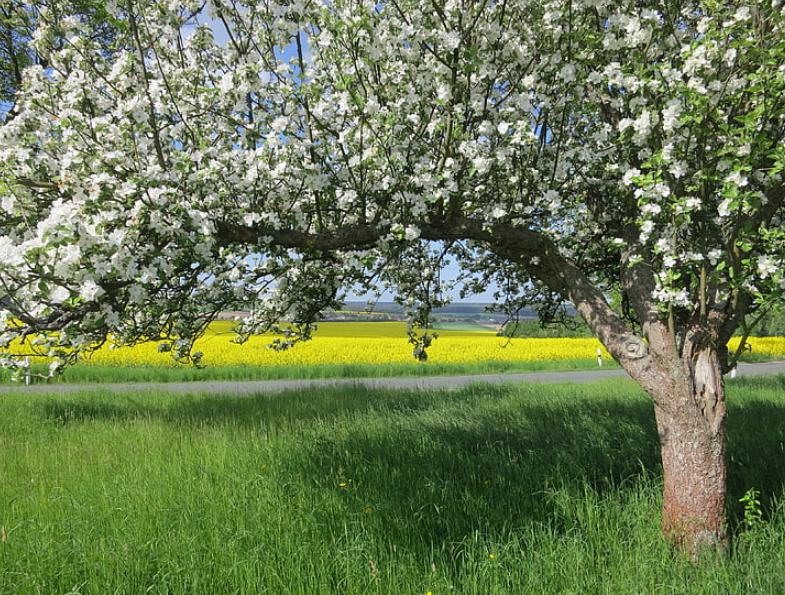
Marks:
<point>599,357</point>
<point>27,371</point>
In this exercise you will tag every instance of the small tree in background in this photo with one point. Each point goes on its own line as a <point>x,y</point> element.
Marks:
<point>568,151</point>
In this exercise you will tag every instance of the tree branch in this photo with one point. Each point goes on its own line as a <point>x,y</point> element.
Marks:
<point>529,249</point>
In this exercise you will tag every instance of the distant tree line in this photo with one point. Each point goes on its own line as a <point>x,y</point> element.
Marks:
<point>570,327</point>
<point>770,325</point>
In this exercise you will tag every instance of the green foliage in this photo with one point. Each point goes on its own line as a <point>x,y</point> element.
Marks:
<point>15,30</point>
<point>753,515</point>
<point>574,327</point>
<point>772,325</point>
<point>529,489</point>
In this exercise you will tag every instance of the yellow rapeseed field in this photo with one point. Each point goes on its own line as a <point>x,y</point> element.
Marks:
<point>358,343</point>
<point>381,343</point>
<point>763,347</point>
<point>369,343</point>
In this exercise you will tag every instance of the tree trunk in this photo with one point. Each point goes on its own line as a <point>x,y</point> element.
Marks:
<point>690,412</point>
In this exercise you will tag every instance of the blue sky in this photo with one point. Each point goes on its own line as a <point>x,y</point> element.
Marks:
<point>449,273</point>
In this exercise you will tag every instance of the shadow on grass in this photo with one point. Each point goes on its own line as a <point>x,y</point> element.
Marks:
<point>283,410</point>
<point>441,465</point>
<point>499,466</point>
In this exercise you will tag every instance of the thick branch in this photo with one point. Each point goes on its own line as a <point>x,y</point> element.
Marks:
<point>534,251</point>
<point>153,124</point>
<point>540,257</point>
<point>637,277</point>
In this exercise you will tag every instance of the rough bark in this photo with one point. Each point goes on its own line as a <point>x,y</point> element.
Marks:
<point>689,398</point>
<point>690,413</point>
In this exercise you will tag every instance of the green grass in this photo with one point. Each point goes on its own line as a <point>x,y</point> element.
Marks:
<point>88,373</point>
<point>527,489</point>
<point>183,373</point>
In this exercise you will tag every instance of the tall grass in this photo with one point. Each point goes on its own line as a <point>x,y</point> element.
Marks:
<point>89,372</point>
<point>512,489</point>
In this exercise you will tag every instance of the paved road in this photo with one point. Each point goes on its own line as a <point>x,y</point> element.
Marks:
<point>422,382</point>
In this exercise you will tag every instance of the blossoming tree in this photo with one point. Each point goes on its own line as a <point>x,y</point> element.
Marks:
<point>276,153</point>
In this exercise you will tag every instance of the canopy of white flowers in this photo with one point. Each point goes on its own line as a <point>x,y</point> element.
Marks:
<point>272,154</point>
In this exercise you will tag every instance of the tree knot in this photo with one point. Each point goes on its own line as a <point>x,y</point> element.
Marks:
<point>633,347</point>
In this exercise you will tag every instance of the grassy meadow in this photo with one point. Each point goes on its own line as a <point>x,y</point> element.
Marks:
<point>354,350</point>
<point>511,489</point>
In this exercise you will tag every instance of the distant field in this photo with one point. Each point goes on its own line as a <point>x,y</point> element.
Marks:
<point>481,491</point>
<point>357,349</point>
<point>464,326</point>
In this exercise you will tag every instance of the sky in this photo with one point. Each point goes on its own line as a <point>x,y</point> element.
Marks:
<point>449,273</point>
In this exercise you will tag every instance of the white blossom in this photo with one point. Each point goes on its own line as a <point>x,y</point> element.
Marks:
<point>766,266</point>
<point>678,168</point>
<point>631,173</point>
<point>7,203</point>
<point>670,115</point>
<point>737,179</point>
<point>411,233</point>
<point>451,39</point>
<point>59,294</point>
